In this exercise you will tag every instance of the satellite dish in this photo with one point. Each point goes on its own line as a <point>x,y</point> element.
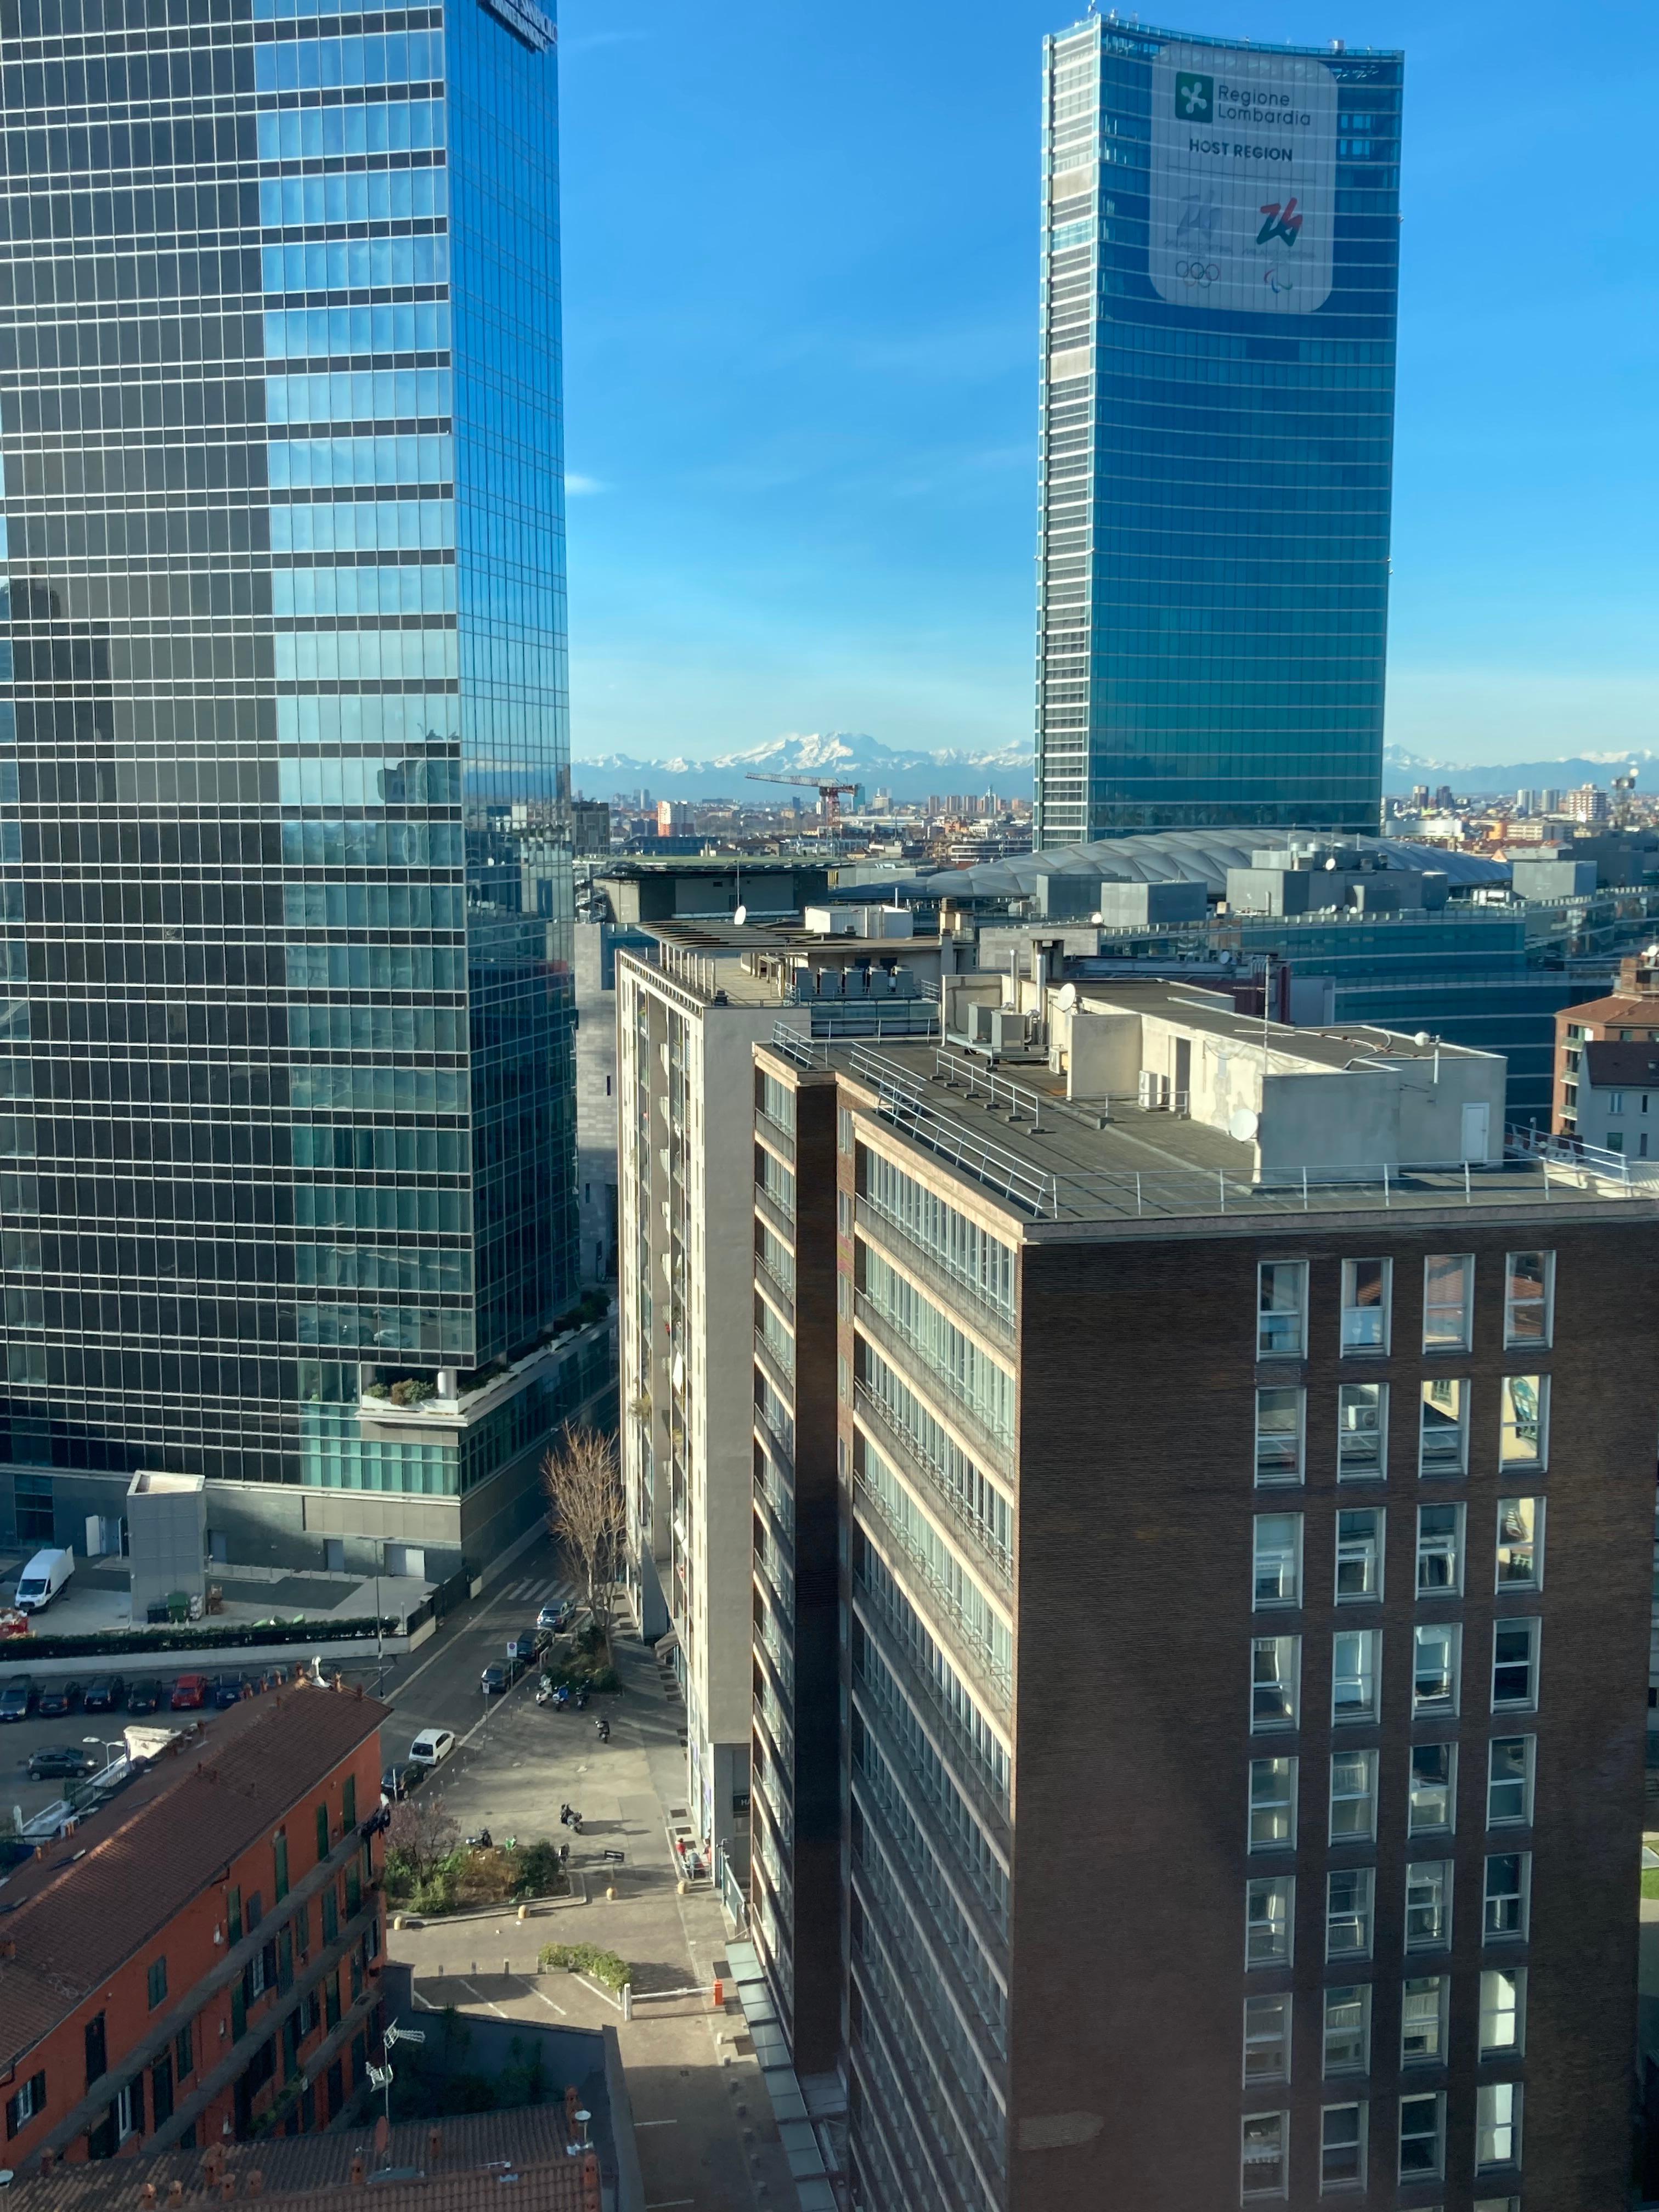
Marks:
<point>1422,1038</point>
<point>1241,1126</point>
<point>1066,997</point>
<point>1331,863</point>
<point>741,916</point>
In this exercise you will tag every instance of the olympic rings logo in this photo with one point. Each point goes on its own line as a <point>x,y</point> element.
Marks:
<point>1197,272</point>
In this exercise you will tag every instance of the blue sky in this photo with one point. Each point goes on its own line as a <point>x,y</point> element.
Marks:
<point>800,338</point>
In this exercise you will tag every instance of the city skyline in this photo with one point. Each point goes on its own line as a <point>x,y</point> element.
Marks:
<point>825,517</point>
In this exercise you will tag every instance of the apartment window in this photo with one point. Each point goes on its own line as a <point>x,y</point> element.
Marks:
<point>843,1130</point>
<point>1523,1422</point>
<point>1269,1906</point>
<point>1616,1105</point>
<point>128,2109</point>
<point>1436,1649</point>
<point>28,2105</point>
<point>184,2052</point>
<point>1509,1881</point>
<point>1355,1653</point>
<point>322,1831</point>
<point>1342,2146</point>
<point>1278,1436</point>
<point>1275,1668</point>
<point>1348,2029</point>
<point>1528,1297</point>
<point>1520,1544</point>
<point>1439,1551</point>
<point>1349,1903</point>
<point>1364,1306</point>
<point>1515,1666</point>
<point>1509,1781</point>
<point>1353,1796</point>
<point>1359,1555</point>
<point>1503,2012</point>
<point>1444,1445</point>
<point>1362,1414</point>
<point>1423,2020</point>
<point>1278,1560</point>
<point>1497,2205</point>
<point>1272,1804</point>
<point>1422,2137</point>
<point>1497,2125</point>
<point>279,1855</point>
<point>1428,1905</point>
<point>1433,1800</point>
<point>1266,2038</point>
<point>1447,1301</point>
<point>1281,1328</point>
<point>156,1983</point>
<point>1263,2165</point>
<point>349,1801</point>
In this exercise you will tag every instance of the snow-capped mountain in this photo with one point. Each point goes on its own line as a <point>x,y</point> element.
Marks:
<point>849,757</point>
<point>1401,770</point>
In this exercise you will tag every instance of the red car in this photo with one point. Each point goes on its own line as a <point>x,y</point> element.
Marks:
<point>189,1691</point>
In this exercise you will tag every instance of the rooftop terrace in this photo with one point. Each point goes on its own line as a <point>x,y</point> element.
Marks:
<point>1051,1161</point>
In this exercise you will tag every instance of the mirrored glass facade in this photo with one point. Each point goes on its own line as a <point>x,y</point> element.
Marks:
<point>1219,264</point>
<point>284,864</point>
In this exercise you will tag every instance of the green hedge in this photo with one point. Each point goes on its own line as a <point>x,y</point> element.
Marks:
<point>605,1967</point>
<point>114,1644</point>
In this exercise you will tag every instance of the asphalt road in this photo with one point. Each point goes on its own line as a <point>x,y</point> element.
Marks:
<point>436,1687</point>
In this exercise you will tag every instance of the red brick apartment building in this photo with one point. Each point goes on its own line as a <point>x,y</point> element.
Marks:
<point>1629,1015</point>
<point>200,1960</point>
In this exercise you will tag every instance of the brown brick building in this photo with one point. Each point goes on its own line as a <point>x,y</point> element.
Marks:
<point>1628,1017</point>
<point>1244,1588</point>
<point>201,1958</point>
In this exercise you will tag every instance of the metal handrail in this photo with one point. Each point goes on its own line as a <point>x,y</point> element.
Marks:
<point>951,1068</point>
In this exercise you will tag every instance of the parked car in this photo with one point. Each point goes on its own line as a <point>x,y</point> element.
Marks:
<point>189,1692</point>
<point>46,1573</point>
<point>145,1695</point>
<point>105,1693</point>
<point>398,1781</point>
<point>57,1699</point>
<point>555,1615</point>
<point>431,1748</point>
<point>493,1681</point>
<point>226,1692</point>
<point>522,1649</point>
<point>61,1759</point>
<point>17,1699</point>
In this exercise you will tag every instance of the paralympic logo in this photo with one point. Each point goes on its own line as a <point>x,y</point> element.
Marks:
<point>1197,272</point>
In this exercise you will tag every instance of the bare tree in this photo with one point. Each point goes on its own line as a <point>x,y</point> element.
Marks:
<point>422,1832</point>
<point>586,1511</point>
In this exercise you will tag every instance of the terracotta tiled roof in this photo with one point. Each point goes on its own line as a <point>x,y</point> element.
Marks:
<point>70,1919</point>
<point>446,2166</point>
<point>1623,1013</point>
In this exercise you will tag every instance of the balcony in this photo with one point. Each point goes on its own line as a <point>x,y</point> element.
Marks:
<point>938,1608</point>
<point>981,1555</point>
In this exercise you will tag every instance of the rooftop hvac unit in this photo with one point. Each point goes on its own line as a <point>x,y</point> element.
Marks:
<point>1154,1092</point>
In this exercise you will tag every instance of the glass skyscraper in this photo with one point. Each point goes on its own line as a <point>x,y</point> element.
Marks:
<point>1219,277</point>
<point>288,1118</point>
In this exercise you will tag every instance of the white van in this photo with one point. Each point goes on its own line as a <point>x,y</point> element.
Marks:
<point>46,1573</point>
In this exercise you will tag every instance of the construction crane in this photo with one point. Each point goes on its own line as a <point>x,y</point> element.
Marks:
<point>829,793</point>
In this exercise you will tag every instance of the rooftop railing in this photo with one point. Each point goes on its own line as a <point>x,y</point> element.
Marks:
<point>1535,1170</point>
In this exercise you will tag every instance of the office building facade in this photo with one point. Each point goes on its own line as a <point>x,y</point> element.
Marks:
<point>1244,1588</point>
<point>1220,255</point>
<point>290,1113</point>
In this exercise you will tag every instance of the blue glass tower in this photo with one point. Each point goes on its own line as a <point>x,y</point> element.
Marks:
<point>285,789</point>
<point>1219,277</point>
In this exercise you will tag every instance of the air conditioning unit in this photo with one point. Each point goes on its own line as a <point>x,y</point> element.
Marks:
<point>1154,1090</point>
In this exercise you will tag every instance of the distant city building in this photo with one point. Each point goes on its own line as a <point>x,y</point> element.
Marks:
<point>675,818</point>
<point>1308,1565</point>
<point>1590,803</point>
<point>1605,1100</point>
<point>1220,274</point>
<point>590,823</point>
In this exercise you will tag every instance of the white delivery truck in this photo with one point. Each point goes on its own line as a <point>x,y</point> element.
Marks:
<point>46,1573</point>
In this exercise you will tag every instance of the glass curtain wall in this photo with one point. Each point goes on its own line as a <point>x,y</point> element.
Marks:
<point>285,865</point>
<point>1219,273</point>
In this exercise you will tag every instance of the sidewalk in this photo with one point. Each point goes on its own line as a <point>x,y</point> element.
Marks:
<point>707,2139</point>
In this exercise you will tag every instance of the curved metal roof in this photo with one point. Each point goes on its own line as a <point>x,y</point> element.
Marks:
<point>1164,856</point>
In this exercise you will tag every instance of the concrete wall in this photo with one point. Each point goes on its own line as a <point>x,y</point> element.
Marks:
<point>595,1103</point>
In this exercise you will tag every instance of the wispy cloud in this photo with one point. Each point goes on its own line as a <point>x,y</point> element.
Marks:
<point>580,487</point>
<point>587,40</point>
